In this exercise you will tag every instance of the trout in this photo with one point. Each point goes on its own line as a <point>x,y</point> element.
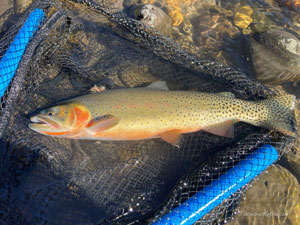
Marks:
<point>154,112</point>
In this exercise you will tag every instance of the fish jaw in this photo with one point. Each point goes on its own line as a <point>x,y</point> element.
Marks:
<point>44,125</point>
<point>37,127</point>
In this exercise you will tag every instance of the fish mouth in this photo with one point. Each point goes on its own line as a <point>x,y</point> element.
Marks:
<point>39,122</point>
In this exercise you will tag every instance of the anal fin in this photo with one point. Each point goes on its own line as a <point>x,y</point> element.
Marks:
<point>224,129</point>
<point>173,137</point>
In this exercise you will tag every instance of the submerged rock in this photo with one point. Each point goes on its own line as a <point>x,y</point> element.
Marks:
<point>270,199</point>
<point>291,159</point>
<point>211,30</point>
<point>5,5</point>
<point>275,56</point>
<point>291,4</point>
<point>294,216</point>
<point>21,5</point>
<point>152,16</point>
<point>242,17</point>
<point>177,9</point>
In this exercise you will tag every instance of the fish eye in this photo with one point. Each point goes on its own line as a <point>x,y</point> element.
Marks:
<point>50,112</point>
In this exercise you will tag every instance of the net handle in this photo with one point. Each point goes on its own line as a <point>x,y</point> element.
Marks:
<point>221,189</point>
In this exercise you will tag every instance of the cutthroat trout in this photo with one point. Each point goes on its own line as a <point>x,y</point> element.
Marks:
<point>142,113</point>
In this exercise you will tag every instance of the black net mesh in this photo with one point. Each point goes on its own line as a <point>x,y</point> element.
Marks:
<point>78,44</point>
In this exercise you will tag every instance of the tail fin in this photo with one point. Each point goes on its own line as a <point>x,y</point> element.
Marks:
<point>280,117</point>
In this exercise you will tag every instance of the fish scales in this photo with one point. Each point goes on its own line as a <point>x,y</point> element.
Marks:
<point>165,110</point>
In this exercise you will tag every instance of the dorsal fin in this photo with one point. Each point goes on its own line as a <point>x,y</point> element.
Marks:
<point>227,94</point>
<point>159,85</point>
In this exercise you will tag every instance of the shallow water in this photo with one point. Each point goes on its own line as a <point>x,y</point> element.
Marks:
<point>226,30</point>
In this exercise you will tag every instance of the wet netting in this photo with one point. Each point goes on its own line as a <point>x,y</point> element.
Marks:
<point>60,49</point>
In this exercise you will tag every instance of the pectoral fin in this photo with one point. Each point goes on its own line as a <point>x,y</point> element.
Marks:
<point>102,123</point>
<point>172,137</point>
<point>224,129</point>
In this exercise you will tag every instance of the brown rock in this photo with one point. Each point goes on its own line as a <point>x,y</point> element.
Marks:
<point>242,17</point>
<point>271,198</point>
<point>294,216</point>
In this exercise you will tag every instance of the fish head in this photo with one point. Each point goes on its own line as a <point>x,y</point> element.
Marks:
<point>63,120</point>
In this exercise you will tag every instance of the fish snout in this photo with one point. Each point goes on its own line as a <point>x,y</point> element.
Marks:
<point>40,122</point>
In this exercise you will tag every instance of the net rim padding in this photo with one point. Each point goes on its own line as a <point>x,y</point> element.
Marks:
<point>14,88</point>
